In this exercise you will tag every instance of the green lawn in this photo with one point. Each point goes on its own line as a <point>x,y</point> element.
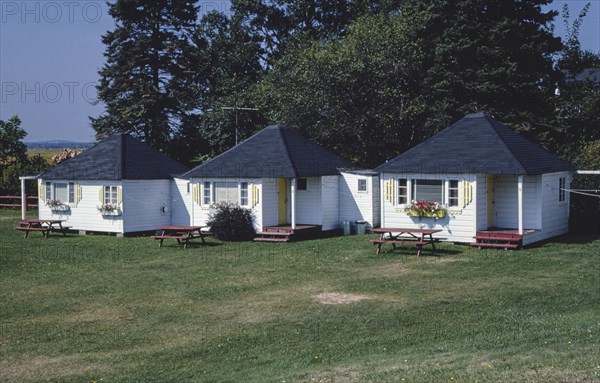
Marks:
<point>100,308</point>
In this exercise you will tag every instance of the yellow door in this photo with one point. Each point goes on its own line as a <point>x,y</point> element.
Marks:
<point>282,200</point>
<point>490,201</point>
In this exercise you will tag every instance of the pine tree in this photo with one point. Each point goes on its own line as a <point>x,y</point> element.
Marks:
<point>146,80</point>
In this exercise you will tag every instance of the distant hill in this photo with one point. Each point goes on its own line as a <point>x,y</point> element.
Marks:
<point>58,144</point>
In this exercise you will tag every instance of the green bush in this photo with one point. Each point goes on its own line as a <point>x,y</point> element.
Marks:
<point>230,222</point>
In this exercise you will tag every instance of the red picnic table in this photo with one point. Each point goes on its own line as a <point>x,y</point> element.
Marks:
<point>404,236</point>
<point>43,225</point>
<point>183,234</point>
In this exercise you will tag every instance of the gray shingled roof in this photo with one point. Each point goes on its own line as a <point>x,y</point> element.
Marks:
<point>119,157</point>
<point>274,152</point>
<point>479,144</point>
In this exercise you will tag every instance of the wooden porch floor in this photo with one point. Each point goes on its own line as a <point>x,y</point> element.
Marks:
<point>285,233</point>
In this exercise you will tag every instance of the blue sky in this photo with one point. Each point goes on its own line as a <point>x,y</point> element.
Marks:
<point>51,51</point>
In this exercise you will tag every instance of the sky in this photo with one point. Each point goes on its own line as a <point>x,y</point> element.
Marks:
<point>51,52</point>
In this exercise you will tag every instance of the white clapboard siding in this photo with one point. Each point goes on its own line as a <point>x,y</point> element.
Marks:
<point>200,213</point>
<point>269,201</point>
<point>457,226</point>
<point>506,202</point>
<point>84,215</point>
<point>181,202</point>
<point>146,204</point>
<point>308,203</point>
<point>555,213</point>
<point>374,186</point>
<point>330,202</point>
<point>482,202</point>
<point>359,205</point>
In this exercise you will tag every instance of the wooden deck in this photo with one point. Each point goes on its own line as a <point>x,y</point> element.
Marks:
<point>500,238</point>
<point>285,233</point>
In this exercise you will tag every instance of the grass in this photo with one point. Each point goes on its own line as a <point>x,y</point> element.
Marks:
<point>45,153</point>
<point>100,308</point>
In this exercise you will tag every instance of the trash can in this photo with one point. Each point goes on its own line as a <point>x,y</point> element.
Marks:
<point>346,227</point>
<point>361,227</point>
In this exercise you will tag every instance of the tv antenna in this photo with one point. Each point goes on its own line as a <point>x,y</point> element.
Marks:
<point>237,110</point>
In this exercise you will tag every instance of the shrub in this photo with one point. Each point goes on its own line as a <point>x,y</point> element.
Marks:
<point>230,222</point>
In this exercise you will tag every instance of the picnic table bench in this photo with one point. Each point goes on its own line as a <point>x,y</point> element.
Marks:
<point>404,236</point>
<point>183,234</point>
<point>45,226</point>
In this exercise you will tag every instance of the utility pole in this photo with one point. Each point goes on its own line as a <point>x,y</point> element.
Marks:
<point>237,109</point>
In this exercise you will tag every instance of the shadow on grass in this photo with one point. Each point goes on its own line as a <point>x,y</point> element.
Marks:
<point>567,239</point>
<point>408,251</point>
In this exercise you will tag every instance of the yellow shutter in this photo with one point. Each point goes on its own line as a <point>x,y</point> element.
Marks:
<point>196,193</point>
<point>254,195</point>
<point>101,194</point>
<point>42,191</point>
<point>119,195</point>
<point>77,193</point>
<point>466,194</point>
<point>388,191</point>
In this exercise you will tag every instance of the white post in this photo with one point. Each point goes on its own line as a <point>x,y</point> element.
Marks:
<point>293,203</point>
<point>23,198</point>
<point>381,201</point>
<point>520,203</point>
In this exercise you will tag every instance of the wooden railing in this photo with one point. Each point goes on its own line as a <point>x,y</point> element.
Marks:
<point>18,199</point>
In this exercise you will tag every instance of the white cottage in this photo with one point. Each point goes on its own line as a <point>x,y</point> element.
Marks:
<point>290,183</point>
<point>120,185</point>
<point>500,189</point>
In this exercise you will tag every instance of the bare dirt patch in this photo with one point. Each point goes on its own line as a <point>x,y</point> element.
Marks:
<point>38,367</point>
<point>339,298</point>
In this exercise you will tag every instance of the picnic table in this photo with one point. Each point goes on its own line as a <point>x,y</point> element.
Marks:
<point>183,234</point>
<point>45,226</point>
<point>404,236</point>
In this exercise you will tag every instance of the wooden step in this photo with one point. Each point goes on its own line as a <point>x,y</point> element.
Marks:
<point>274,233</point>
<point>263,239</point>
<point>507,238</point>
<point>495,245</point>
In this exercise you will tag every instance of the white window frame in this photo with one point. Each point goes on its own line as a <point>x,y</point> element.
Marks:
<point>562,193</point>
<point>366,184</point>
<point>244,201</point>
<point>406,188</point>
<point>113,194</point>
<point>448,189</point>
<point>207,198</point>
<point>51,191</point>
<point>410,181</point>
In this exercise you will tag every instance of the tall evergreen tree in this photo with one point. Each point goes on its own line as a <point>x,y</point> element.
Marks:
<point>146,81</point>
<point>488,55</point>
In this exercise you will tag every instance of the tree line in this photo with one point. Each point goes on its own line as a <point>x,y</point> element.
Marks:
<point>368,79</point>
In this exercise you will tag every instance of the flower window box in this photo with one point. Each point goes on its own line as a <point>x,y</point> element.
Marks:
<point>426,209</point>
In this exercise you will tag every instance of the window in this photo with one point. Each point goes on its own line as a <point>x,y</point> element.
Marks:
<point>402,191</point>
<point>206,194</point>
<point>443,192</point>
<point>362,185</point>
<point>562,184</point>
<point>453,193</point>
<point>187,188</point>
<point>428,190</point>
<point>62,191</point>
<point>301,184</point>
<point>110,195</point>
<point>226,192</point>
<point>243,193</point>
<point>48,191</point>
